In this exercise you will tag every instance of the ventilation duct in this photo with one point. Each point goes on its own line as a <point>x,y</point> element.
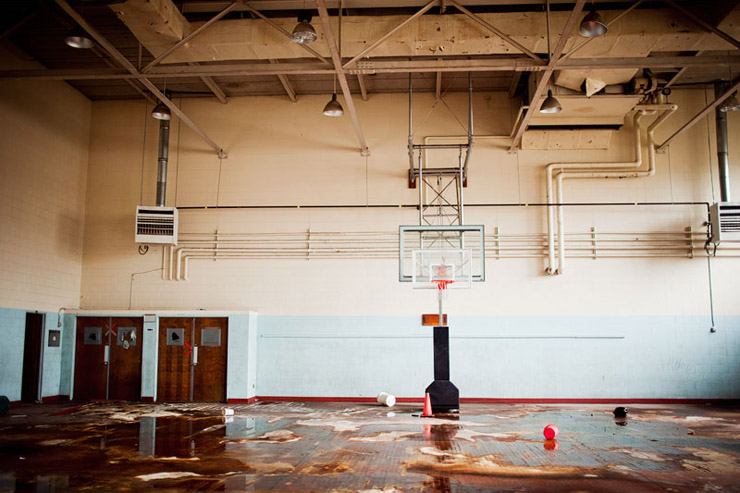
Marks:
<point>725,220</point>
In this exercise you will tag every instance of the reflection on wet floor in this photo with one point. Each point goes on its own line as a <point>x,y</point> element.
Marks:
<point>323,447</point>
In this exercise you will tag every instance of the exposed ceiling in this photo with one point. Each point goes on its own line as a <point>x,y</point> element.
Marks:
<point>242,48</point>
<point>39,28</point>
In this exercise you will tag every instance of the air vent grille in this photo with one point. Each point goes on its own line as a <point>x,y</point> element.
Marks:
<point>725,219</point>
<point>156,225</point>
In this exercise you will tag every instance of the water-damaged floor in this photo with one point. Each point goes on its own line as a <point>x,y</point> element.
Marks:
<point>363,447</point>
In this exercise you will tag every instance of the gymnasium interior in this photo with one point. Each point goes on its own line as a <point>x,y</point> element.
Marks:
<point>370,245</point>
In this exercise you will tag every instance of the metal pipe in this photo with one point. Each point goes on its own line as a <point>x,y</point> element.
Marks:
<point>411,131</point>
<point>470,129</point>
<point>723,160</point>
<point>164,146</point>
<point>636,163</point>
<point>613,174</point>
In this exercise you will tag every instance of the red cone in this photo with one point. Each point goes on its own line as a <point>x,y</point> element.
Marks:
<point>427,406</point>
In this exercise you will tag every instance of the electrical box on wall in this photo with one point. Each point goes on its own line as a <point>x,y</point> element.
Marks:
<point>156,225</point>
<point>725,220</point>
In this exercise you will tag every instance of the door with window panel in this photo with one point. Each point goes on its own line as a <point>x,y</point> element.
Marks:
<point>192,359</point>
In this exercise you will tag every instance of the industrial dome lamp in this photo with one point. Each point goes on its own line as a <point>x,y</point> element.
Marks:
<point>333,107</point>
<point>77,38</point>
<point>161,111</point>
<point>551,104</point>
<point>304,33</point>
<point>593,24</point>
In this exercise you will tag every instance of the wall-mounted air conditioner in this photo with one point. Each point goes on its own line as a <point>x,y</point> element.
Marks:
<point>156,225</point>
<point>725,219</point>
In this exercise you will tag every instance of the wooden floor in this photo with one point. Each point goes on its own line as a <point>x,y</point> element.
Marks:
<point>360,447</point>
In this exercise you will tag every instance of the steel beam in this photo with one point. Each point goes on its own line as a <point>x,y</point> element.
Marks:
<point>696,118</point>
<point>520,64</point>
<point>118,56</point>
<point>341,77</point>
<point>189,37</point>
<point>551,66</point>
<point>514,83</point>
<point>211,85</point>
<point>704,24</point>
<point>495,30</point>
<point>631,8</point>
<point>391,33</point>
<point>286,84</point>
<point>363,86</point>
<point>285,33</point>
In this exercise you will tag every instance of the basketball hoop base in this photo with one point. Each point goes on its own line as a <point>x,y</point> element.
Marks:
<point>444,395</point>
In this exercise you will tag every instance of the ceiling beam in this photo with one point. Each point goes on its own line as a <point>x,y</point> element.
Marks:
<point>212,85</point>
<point>363,86</point>
<point>286,84</point>
<point>390,33</point>
<point>118,56</point>
<point>438,84</point>
<point>536,99</point>
<point>516,64</point>
<point>704,24</point>
<point>496,31</point>
<point>189,37</point>
<point>341,77</point>
<point>514,83</point>
<point>285,33</point>
<point>696,118</point>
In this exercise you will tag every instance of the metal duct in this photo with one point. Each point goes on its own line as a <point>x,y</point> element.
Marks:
<point>723,160</point>
<point>164,146</point>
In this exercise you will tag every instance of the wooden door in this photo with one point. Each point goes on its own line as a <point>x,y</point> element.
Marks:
<point>125,358</point>
<point>209,378</point>
<point>91,370</point>
<point>174,373</point>
<point>32,349</point>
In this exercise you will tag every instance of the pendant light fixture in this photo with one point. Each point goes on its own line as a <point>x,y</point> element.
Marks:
<point>161,111</point>
<point>77,38</point>
<point>731,104</point>
<point>304,33</point>
<point>333,107</point>
<point>551,104</point>
<point>593,24</point>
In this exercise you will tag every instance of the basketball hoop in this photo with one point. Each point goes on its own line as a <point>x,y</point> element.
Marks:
<point>442,283</point>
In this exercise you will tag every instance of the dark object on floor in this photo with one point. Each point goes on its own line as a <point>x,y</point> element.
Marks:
<point>4,404</point>
<point>620,412</point>
<point>444,394</point>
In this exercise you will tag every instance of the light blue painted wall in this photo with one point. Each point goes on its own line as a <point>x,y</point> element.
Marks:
<point>506,357</point>
<point>13,331</point>
<point>241,380</point>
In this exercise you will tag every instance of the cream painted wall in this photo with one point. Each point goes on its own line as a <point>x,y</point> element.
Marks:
<point>283,153</point>
<point>44,138</point>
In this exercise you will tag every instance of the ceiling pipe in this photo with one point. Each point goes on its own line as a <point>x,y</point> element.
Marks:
<point>723,159</point>
<point>164,146</point>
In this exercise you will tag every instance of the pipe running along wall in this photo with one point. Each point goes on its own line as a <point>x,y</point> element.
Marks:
<point>629,169</point>
<point>164,146</point>
<point>723,157</point>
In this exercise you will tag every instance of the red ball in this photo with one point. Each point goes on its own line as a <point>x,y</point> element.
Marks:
<point>551,431</point>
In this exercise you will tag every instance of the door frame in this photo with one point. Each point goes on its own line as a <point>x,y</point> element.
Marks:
<point>40,352</point>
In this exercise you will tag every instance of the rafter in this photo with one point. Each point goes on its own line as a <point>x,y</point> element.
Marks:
<point>341,77</point>
<point>118,56</point>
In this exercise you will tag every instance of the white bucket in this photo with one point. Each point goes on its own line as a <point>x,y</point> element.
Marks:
<point>386,399</point>
<point>227,411</point>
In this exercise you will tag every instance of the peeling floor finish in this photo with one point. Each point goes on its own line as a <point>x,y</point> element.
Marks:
<point>291,446</point>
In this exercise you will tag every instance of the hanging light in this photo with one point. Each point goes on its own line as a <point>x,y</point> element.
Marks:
<point>304,33</point>
<point>551,104</point>
<point>593,24</point>
<point>162,111</point>
<point>731,104</point>
<point>333,108</point>
<point>77,38</point>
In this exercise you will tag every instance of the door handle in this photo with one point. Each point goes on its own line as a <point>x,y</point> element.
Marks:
<point>195,355</point>
<point>106,355</point>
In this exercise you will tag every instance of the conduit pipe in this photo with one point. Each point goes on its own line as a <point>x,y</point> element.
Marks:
<point>668,109</point>
<point>636,163</point>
